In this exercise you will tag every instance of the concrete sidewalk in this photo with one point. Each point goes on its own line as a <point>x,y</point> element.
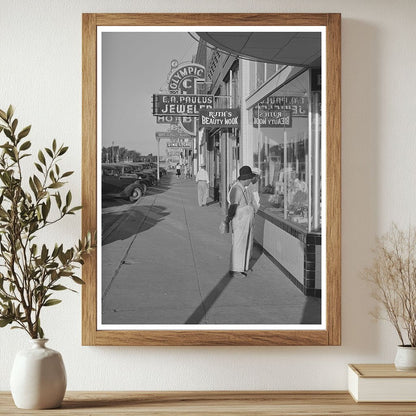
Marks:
<point>165,262</point>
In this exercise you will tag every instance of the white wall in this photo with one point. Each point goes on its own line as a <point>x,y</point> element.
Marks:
<point>40,73</point>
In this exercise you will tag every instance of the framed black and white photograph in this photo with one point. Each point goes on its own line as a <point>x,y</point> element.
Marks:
<point>211,172</point>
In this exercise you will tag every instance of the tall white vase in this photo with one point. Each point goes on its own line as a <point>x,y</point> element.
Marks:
<point>38,377</point>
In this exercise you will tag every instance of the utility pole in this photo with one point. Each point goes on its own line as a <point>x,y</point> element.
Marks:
<point>158,158</point>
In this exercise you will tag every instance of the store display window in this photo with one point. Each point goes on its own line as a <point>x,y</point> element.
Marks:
<point>286,149</point>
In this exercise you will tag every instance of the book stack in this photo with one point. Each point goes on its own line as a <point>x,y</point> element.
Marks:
<point>381,383</point>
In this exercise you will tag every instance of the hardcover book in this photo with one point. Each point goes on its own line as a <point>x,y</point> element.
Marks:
<point>381,383</point>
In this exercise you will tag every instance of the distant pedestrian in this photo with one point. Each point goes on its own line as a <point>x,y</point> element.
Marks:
<point>187,172</point>
<point>202,181</point>
<point>178,170</point>
<point>241,215</point>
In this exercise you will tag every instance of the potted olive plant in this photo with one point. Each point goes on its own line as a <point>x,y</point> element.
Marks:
<point>32,273</point>
<point>393,277</point>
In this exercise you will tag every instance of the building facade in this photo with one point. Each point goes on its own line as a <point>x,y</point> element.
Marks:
<point>279,134</point>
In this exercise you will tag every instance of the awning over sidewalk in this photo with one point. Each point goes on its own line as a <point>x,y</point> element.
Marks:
<point>285,48</point>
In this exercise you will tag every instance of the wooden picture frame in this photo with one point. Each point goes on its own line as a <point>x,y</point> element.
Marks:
<point>331,334</point>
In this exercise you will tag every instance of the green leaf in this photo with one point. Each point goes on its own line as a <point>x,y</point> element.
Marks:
<point>59,287</point>
<point>56,185</point>
<point>33,187</point>
<point>25,145</point>
<point>14,125</point>
<point>34,249</point>
<point>3,115</point>
<point>58,199</point>
<point>10,112</point>
<point>44,253</point>
<point>5,321</point>
<point>40,332</point>
<point>39,167</point>
<point>62,257</point>
<point>54,145</point>
<point>49,152</point>
<point>24,132</point>
<point>68,199</point>
<point>8,133</point>
<point>41,157</point>
<point>51,302</point>
<point>66,274</point>
<point>76,279</point>
<point>37,182</point>
<point>63,150</point>
<point>67,174</point>
<point>45,211</point>
<point>77,208</point>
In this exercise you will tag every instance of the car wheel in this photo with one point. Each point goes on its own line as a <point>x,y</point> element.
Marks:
<point>136,194</point>
<point>144,187</point>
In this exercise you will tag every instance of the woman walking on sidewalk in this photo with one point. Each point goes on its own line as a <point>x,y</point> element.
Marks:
<point>202,181</point>
<point>178,170</point>
<point>241,215</point>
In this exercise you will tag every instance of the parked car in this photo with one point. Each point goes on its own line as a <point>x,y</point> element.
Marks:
<point>152,173</point>
<point>146,178</point>
<point>162,171</point>
<point>119,183</point>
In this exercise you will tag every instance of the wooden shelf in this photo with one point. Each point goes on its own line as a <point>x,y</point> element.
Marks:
<point>317,403</point>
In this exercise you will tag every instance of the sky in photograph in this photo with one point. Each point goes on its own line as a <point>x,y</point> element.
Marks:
<point>134,67</point>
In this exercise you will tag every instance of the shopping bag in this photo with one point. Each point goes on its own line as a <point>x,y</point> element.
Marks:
<point>224,227</point>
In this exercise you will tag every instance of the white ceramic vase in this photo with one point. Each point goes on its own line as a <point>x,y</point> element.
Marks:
<point>38,377</point>
<point>405,358</point>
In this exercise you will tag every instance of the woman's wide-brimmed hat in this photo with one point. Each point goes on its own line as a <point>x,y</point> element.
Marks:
<point>256,171</point>
<point>246,173</point>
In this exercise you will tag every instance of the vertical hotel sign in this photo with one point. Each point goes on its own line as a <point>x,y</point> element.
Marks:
<point>183,80</point>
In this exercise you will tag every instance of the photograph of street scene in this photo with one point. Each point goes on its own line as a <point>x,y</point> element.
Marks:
<point>212,191</point>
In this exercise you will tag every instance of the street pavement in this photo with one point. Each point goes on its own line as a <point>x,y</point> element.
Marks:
<point>165,262</point>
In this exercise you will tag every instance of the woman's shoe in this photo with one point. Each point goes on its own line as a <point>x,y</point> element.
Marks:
<point>241,275</point>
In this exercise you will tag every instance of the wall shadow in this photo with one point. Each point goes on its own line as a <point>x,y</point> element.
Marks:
<point>364,99</point>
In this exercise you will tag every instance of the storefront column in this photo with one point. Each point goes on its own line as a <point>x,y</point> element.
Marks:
<point>285,174</point>
<point>246,130</point>
<point>223,161</point>
<point>316,162</point>
<point>158,158</point>
<point>309,157</point>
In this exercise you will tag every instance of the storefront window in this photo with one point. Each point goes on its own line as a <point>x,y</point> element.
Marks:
<point>235,90</point>
<point>286,149</point>
<point>252,79</point>
<point>271,69</point>
<point>261,74</point>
